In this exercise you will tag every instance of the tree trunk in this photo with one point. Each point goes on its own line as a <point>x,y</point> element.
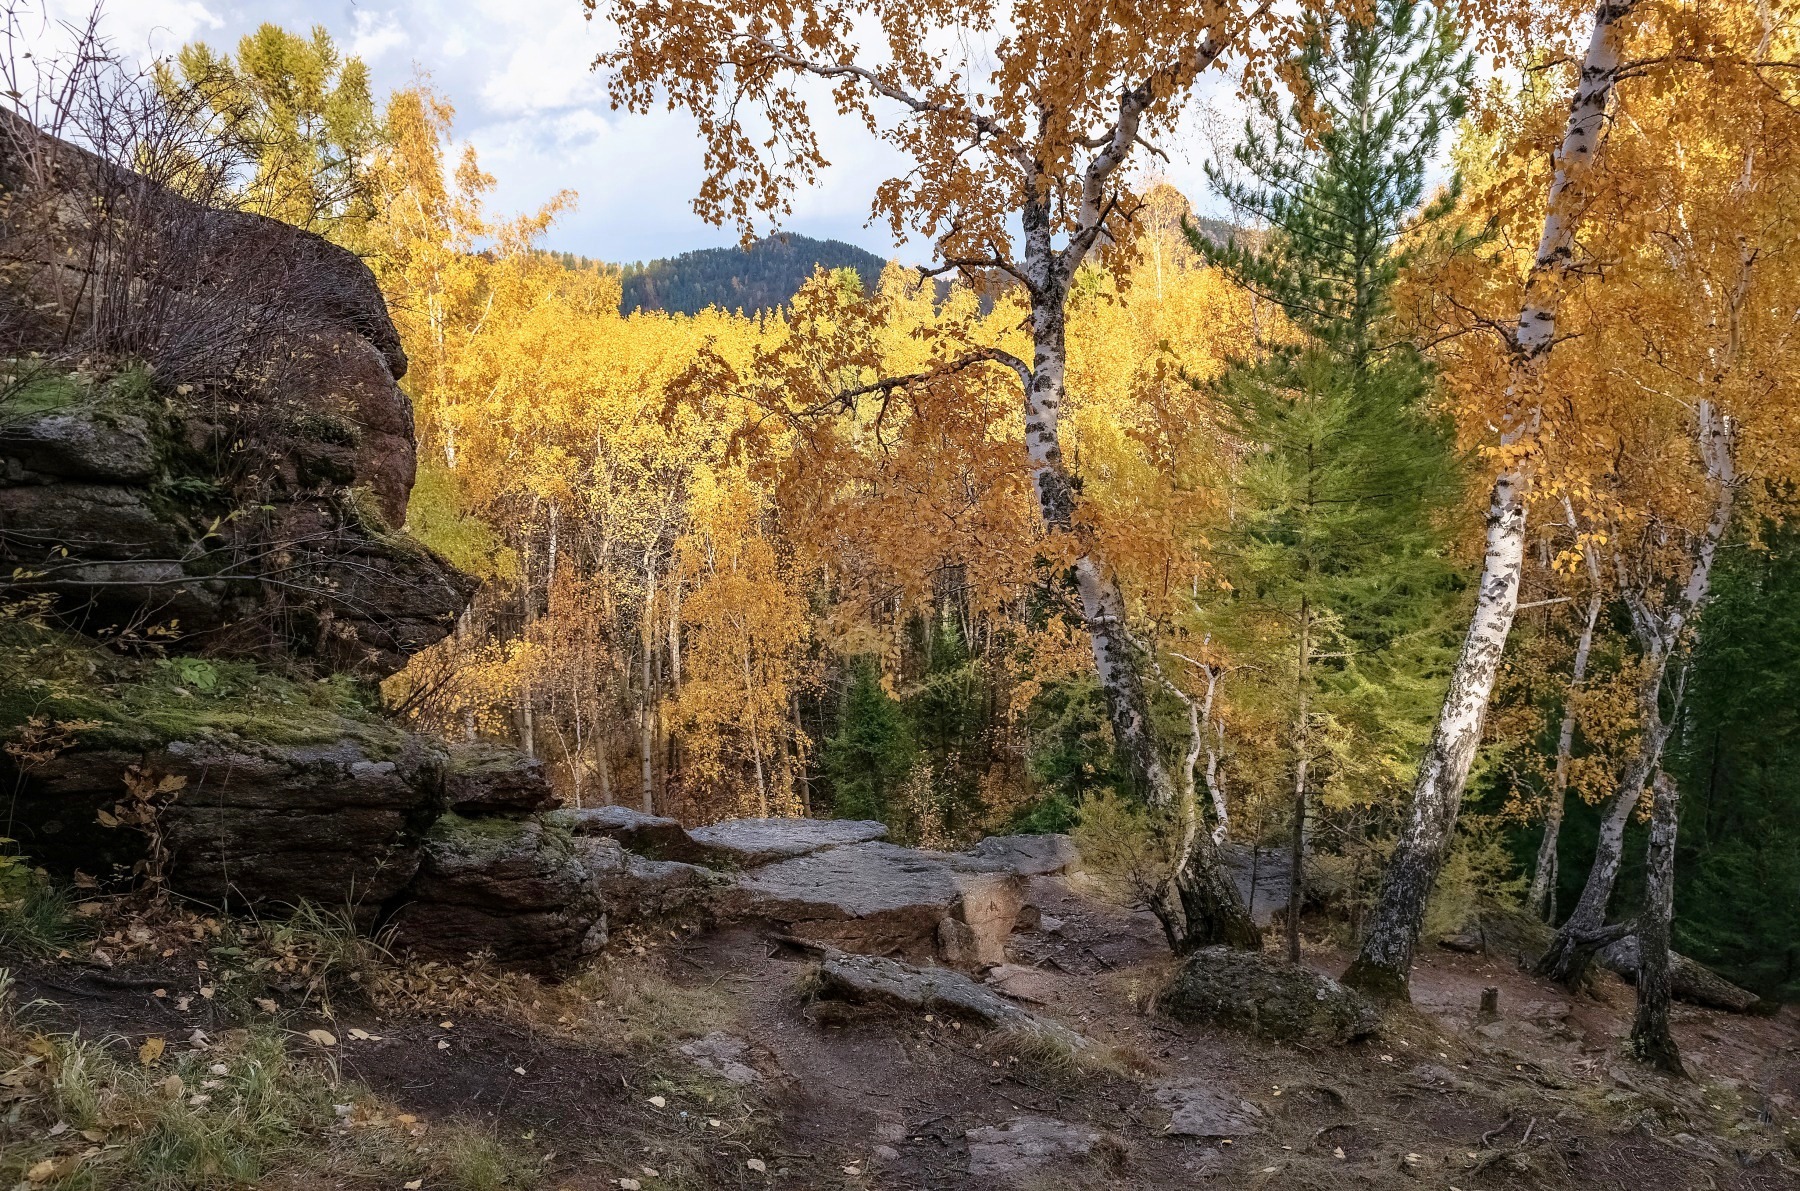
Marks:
<point>1566,962</point>
<point>1541,898</point>
<point>1383,964</point>
<point>1302,759</point>
<point>602,760</point>
<point>1651,1040</point>
<point>1662,635</point>
<point>1204,907</point>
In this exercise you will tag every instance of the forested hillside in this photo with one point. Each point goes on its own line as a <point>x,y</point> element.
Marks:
<point>763,276</point>
<point>1300,699</point>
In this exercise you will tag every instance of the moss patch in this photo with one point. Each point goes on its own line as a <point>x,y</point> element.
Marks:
<point>143,703</point>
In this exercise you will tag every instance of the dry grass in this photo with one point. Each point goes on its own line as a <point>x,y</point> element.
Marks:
<point>243,1109</point>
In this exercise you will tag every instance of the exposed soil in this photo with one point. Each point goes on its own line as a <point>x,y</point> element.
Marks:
<point>1541,1097</point>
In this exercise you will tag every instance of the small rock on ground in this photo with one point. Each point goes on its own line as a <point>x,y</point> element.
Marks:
<point>1198,1108</point>
<point>1268,997</point>
<point>868,979</point>
<point>1026,1143</point>
<point>723,1055</point>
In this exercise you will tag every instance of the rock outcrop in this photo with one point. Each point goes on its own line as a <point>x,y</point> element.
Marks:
<point>749,843</point>
<point>879,899</point>
<point>518,890</point>
<point>240,480</point>
<point>1267,997</point>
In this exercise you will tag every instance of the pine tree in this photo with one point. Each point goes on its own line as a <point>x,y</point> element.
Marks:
<point>872,752</point>
<point>1334,551</point>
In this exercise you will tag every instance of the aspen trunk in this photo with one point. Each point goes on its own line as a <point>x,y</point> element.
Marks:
<point>1381,967</point>
<point>602,760</point>
<point>1541,898</point>
<point>1566,962</point>
<point>1202,906</point>
<point>1651,1040</point>
<point>1662,633</point>
<point>1383,964</point>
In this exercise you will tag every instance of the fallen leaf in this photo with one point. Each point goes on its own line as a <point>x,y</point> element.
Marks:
<point>518,1070</point>
<point>413,1186</point>
<point>171,1087</point>
<point>853,1170</point>
<point>41,1172</point>
<point>758,1165</point>
<point>631,1185</point>
<point>659,1102</point>
<point>207,991</point>
<point>58,1129</point>
<point>150,1051</point>
<point>322,1037</point>
<point>266,1005</point>
<point>1337,1151</point>
<point>442,1045</point>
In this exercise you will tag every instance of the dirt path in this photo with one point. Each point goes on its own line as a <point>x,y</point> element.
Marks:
<point>828,1097</point>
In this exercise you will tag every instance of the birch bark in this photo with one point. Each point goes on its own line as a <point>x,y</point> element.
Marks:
<point>1651,1040</point>
<point>1383,964</point>
<point>1202,906</point>
<point>1540,899</point>
<point>1661,635</point>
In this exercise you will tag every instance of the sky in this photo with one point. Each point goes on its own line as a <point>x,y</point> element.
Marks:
<point>518,74</point>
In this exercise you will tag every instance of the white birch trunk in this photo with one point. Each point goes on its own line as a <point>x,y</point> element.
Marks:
<point>1203,905</point>
<point>1540,899</point>
<point>1651,1040</point>
<point>1663,636</point>
<point>1383,964</point>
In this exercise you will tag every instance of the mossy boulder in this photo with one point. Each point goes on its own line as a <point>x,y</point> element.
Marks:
<point>1267,997</point>
<point>518,890</point>
<point>487,778</point>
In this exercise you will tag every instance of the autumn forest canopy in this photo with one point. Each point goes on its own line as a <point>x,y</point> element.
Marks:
<point>1422,529</point>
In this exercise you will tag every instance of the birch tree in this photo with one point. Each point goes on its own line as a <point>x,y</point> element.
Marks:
<point>1384,961</point>
<point>1018,124</point>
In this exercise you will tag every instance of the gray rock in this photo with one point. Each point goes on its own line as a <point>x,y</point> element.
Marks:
<point>748,843</point>
<point>725,1056</point>
<point>1199,1108</point>
<point>641,890</point>
<point>871,980</point>
<point>516,889</point>
<point>247,823</point>
<point>485,778</point>
<point>1689,980</point>
<point>92,521</point>
<point>83,445</point>
<point>1022,983</point>
<point>881,899</point>
<point>650,835</point>
<point>1025,1144</point>
<point>1267,997</point>
<point>1030,855</point>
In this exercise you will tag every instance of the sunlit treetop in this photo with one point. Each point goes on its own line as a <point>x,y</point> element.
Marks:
<point>992,105</point>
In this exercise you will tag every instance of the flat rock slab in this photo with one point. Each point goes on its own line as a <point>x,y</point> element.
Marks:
<point>723,1055</point>
<point>1200,1108</point>
<point>1022,983</point>
<point>1030,855</point>
<point>871,980</point>
<point>650,835</point>
<point>880,899</point>
<point>750,843</point>
<point>1026,1144</point>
